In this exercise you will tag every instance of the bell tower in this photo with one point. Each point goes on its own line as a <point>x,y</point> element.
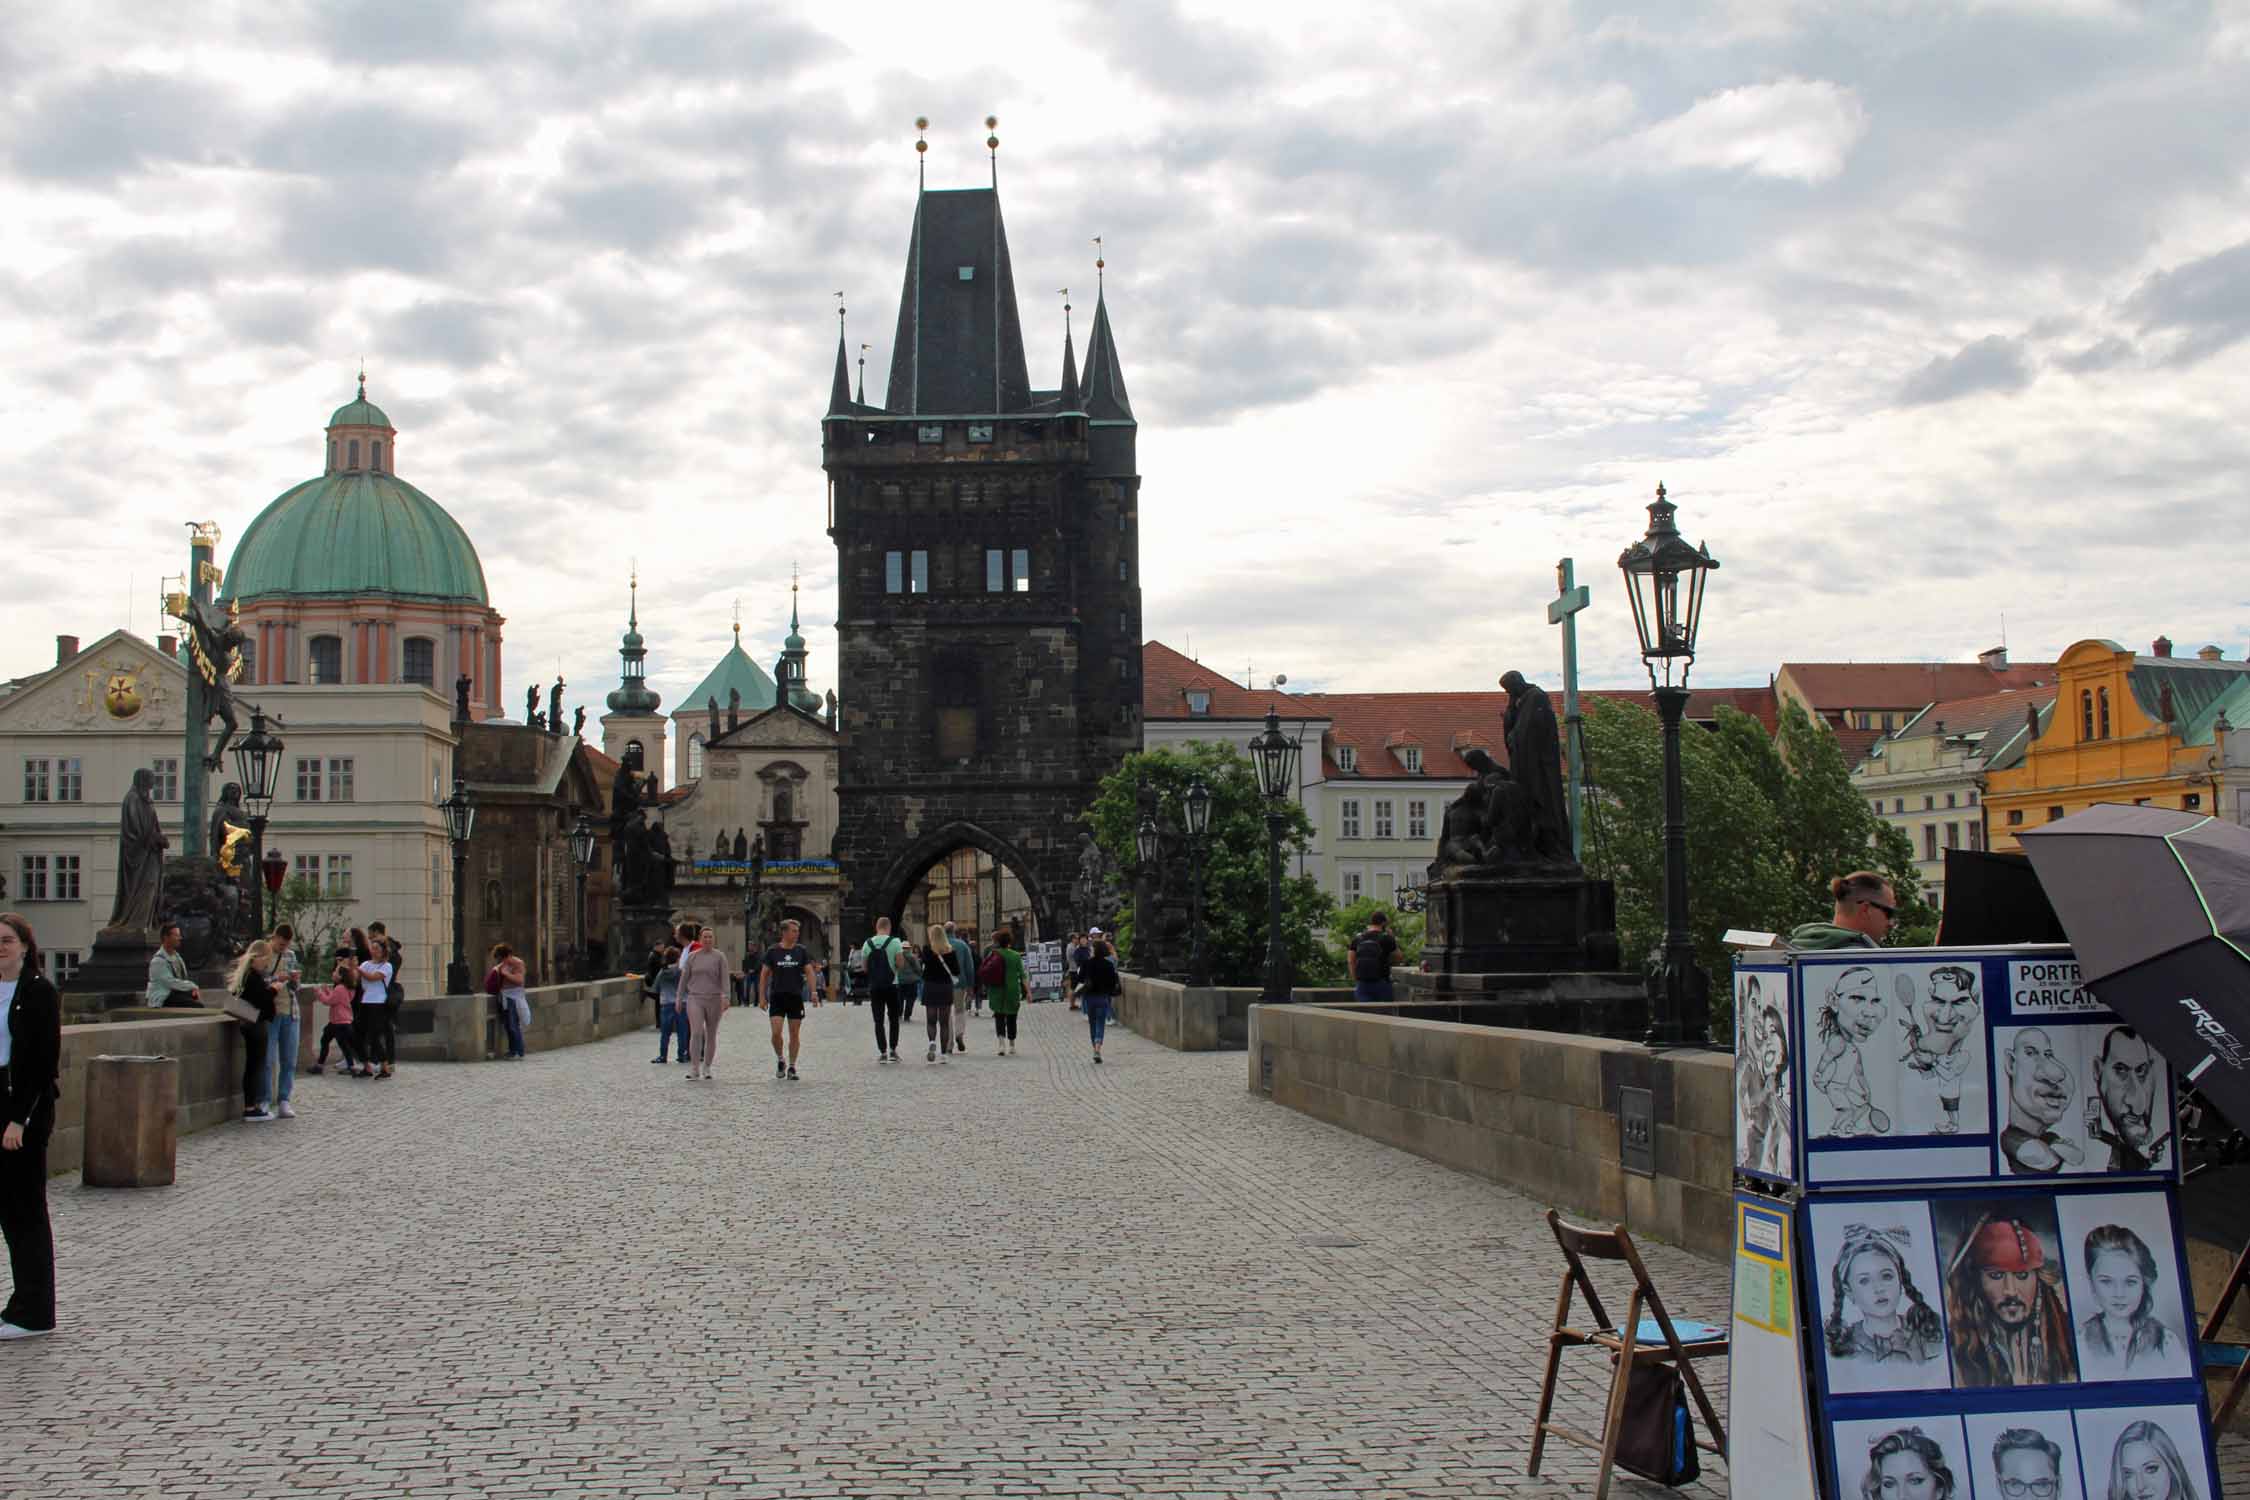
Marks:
<point>633,704</point>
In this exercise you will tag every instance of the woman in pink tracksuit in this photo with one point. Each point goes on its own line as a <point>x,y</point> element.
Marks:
<point>703,995</point>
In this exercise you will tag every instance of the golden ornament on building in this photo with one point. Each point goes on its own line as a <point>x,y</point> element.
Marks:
<point>121,694</point>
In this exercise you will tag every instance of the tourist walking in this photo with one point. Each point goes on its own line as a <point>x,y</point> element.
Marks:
<point>882,989</point>
<point>671,1019</point>
<point>1370,958</point>
<point>342,985</point>
<point>380,1012</point>
<point>30,1070</point>
<point>964,986</point>
<point>703,992</point>
<point>249,983</point>
<point>788,975</point>
<point>168,982</point>
<point>941,975</point>
<point>515,1005</point>
<point>906,965</point>
<point>1098,985</point>
<point>1003,988</point>
<point>284,1034</point>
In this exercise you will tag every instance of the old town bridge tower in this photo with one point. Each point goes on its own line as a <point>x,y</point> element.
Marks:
<point>988,582</point>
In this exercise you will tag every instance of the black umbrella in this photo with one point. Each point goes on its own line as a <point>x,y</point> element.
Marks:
<point>2157,905</point>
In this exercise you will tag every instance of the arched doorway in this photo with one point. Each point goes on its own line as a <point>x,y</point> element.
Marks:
<point>968,875</point>
<point>811,932</point>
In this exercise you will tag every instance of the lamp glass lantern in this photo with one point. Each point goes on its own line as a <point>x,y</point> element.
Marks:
<point>274,868</point>
<point>582,842</point>
<point>1274,755</point>
<point>460,812</point>
<point>1198,802</point>
<point>1664,578</point>
<point>257,764</point>
<point>1146,840</point>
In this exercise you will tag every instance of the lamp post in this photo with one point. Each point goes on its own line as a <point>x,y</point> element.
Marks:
<point>1146,842</point>
<point>1274,755</point>
<point>582,856</point>
<point>1198,802</point>
<point>460,811</point>
<point>257,763</point>
<point>1664,577</point>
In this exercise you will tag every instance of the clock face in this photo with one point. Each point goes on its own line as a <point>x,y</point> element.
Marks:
<point>121,695</point>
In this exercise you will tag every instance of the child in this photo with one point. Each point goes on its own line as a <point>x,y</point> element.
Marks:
<point>338,998</point>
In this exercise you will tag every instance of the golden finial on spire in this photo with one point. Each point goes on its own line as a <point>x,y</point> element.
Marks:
<point>738,619</point>
<point>1099,263</point>
<point>921,134</point>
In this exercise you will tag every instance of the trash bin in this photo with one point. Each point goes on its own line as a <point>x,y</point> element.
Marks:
<point>132,1121</point>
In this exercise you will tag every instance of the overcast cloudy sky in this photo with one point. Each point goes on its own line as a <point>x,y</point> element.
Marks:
<point>1927,313</point>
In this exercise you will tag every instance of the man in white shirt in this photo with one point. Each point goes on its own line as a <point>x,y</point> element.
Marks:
<point>167,972</point>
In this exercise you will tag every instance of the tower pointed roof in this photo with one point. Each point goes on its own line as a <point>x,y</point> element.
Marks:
<point>840,390</point>
<point>736,673</point>
<point>1105,397</point>
<point>1070,374</point>
<point>632,694</point>
<point>959,345</point>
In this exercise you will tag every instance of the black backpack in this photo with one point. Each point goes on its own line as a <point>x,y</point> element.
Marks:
<point>1369,961</point>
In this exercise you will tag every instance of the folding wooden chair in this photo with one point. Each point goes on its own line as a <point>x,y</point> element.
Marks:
<point>2220,1356</point>
<point>1638,1341</point>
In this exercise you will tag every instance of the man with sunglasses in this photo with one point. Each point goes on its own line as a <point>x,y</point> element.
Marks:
<point>1866,907</point>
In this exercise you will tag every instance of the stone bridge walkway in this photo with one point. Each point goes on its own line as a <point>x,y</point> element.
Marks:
<point>582,1275</point>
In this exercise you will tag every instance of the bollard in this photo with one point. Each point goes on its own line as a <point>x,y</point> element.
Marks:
<point>132,1121</point>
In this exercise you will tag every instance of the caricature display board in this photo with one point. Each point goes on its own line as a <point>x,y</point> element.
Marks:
<point>2009,1336</point>
<point>1859,1067</point>
<point>1772,1432</point>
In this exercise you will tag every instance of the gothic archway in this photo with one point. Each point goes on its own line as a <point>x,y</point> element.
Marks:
<point>906,871</point>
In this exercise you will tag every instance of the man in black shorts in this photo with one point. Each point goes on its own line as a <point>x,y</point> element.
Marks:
<point>783,984</point>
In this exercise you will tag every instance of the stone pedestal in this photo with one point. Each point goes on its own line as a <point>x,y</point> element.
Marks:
<point>118,964</point>
<point>1612,1003</point>
<point>132,1121</point>
<point>1531,921</point>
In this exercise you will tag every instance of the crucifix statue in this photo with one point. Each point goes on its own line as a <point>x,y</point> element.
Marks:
<point>1570,598</point>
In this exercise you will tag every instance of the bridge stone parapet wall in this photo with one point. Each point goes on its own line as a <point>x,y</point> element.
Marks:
<point>1536,1110</point>
<point>1194,1018</point>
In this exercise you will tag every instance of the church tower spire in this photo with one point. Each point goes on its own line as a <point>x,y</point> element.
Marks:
<point>633,731</point>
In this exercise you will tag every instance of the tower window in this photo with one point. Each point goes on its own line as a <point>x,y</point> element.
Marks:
<point>695,757</point>
<point>354,451</point>
<point>894,572</point>
<point>918,572</point>
<point>420,663</point>
<point>375,456</point>
<point>1123,572</point>
<point>331,453</point>
<point>1020,560</point>
<point>968,273</point>
<point>324,659</point>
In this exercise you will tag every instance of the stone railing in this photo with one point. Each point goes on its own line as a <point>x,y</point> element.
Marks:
<point>1191,1018</point>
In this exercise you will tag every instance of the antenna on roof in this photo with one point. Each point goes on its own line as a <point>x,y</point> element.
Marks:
<point>992,144</point>
<point>1099,263</point>
<point>921,151</point>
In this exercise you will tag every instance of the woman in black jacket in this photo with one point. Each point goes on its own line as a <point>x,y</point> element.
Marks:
<point>1098,984</point>
<point>29,1070</point>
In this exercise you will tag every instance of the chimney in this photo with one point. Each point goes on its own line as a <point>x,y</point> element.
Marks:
<point>66,647</point>
<point>2161,646</point>
<point>1994,660</point>
<point>169,645</point>
<point>2210,653</point>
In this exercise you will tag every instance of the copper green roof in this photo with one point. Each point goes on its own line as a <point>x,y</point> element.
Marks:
<point>352,533</point>
<point>735,672</point>
<point>359,412</point>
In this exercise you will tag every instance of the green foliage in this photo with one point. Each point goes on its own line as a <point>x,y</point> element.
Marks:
<point>1350,921</point>
<point>317,918</point>
<point>1234,893</point>
<point>1831,830</point>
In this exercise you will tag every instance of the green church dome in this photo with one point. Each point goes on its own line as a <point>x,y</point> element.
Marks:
<point>355,532</point>
<point>359,412</point>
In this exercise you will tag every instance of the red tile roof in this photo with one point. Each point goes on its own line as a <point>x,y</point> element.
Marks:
<point>1376,725</point>
<point>1833,686</point>
<point>1980,714</point>
<point>1166,676</point>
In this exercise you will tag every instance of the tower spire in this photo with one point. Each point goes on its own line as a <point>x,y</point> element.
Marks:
<point>992,144</point>
<point>840,386</point>
<point>1105,377</point>
<point>1070,399</point>
<point>863,373</point>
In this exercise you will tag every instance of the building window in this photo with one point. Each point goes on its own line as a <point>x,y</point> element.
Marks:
<point>308,779</point>
<point>995,571</point>
<point>1898,804</point>
<point>1124,573</point>
<point>64,962</point>
<point>66,877</point>
<point>339,875</point>
<point>31,878</point>
<point>1350,885</point>
<point>1410,756</point>
<point>695,756</point>
<point>324,658</point>
<point>1886,723</point>
<point>70,779</point>
<point>167,769</point>
<point>1972,797</point>
<point>1007,571</point>
<point>894,572</point>
<point>1020,560</point>
<point>2192,802</point>
<point>306,867</point>
<point>340,780</point>
<point>420,660</point>
<point>1199,702</point>
<point>1866,721</point>
<point>1347,758</point>
<point>2054,814</point>
<point>249,652</point>
<point>634,752</point>
<point>1929,841</point>
<point>1349,815</point>
<point>1976,835</point>
<point>1417,819</point>
<point>1952,835</point>
<point>918,572</point>
<point>1878,805</point>
<point>2101,704</point>
<point>353,451</point>
<point>1949,799</point>
<point>2015,817</point>
<point>2086,714</point>
<point>1929,803</point>
<point>375,459</point>
<point>38,780</point>
<point>1385,886</point>
<point>1383,828</point>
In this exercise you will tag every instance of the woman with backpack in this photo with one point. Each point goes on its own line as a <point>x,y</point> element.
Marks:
<point>940,975</point>
<point>1002,973</point>
<point>882,989</point>
<point>1097,991</point>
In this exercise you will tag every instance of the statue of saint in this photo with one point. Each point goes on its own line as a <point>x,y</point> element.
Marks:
<point>461,698</point>
<point>578,721</point>
<point>215,645</point>
<point>140,856</point>
<point>741,843</point>
<point>554,708</point>
<point>659,845</point>
<point>711,703</point>
<point>1535,761</point>
<point>531,704</point>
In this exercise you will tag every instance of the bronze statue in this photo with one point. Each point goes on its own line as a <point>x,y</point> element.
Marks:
<point>1535,761</point>
<point>578,721</point>
<point>734,707</point>
<point>554,708</point>
<point>711,702</point>
<point>140,856</point>
<point>461,699</point>
<point>657,850</point>
<point>741,843</point>
<point>215,645</point>
<point>719,849</point>
<point>531,704</point>
<point>230,831</point>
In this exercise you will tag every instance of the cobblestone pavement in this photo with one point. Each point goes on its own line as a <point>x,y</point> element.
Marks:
<point>581,1275</point>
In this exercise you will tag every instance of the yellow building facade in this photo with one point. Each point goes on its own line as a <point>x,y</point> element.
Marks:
<point>2125,728</point>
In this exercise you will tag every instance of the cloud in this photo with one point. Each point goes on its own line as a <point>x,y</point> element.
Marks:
<point>2102,354</point>
<point>2202,306</point>
<point>1992,363</point>
<point>1799,130</point>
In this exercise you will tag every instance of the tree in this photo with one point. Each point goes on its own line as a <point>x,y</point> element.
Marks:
<point>1831,830</point>
<point>314,915</point>
<point>1234,891</point>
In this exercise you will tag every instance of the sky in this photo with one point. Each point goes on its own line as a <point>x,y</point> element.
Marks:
<point>1934,318</point>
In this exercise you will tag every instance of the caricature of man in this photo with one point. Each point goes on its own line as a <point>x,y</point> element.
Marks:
<point>1849,1018</point>
<point>2005,1311</point>
<point>2038,1097</point>
<point>1937,1038</point>
<point>2125,1078</point>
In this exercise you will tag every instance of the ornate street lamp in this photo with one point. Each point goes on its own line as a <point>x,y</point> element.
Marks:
<point>257,765</point>
<point>460,811</point>
<point>1664,577</point>
<point>581,856</point>
<point>1274,755</point>
<point>1198,802</point>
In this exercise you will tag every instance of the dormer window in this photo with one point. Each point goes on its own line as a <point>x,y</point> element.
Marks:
<point>1410,756</point>
<point>1199,702</point>
<point>1347,758</point>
